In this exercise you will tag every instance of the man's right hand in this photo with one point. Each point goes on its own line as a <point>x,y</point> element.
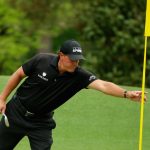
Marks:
<point>2,106</point>
<point>12,83</point>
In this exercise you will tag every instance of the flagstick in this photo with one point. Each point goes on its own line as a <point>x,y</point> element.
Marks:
<point>142,102</point>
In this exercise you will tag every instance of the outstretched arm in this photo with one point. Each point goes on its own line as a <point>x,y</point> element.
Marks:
<point>10,86</point>
<point>115,90</point>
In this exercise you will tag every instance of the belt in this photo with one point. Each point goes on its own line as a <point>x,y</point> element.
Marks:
<point>29,114</point>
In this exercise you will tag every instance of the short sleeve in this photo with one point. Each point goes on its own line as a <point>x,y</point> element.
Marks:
<point>29,66</point>
<point>86,77</point>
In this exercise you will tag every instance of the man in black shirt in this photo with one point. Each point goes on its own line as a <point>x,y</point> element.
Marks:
<point>50,81</point>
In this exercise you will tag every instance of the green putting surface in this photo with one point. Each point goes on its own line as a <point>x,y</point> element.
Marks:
<point>92,120</point>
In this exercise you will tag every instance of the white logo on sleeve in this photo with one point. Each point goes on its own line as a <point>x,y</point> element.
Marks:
<point>92,77</point>
<point>43,76</point>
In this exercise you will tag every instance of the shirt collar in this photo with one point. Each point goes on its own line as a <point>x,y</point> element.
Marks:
<point>54,61</point>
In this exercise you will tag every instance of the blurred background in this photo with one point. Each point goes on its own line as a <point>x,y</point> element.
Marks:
<point>111,34</point>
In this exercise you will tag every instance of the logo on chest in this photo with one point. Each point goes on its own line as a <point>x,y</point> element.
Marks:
<point>43,76</point>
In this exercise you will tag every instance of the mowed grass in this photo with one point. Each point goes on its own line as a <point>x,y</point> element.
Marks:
<point>92,120</point>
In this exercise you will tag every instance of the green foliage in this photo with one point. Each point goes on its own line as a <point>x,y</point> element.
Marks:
<point>111,34</point>
<point>114,37</point>
<point>15,39</point>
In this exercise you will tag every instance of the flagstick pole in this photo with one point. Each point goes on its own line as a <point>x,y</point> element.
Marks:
<point>142,102</point>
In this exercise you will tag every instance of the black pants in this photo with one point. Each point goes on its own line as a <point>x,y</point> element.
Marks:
<point>38,129</point>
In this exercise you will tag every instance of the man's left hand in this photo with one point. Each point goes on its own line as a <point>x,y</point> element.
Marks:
<point>136,96</point>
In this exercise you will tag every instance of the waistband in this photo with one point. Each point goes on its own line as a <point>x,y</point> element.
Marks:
<point>25,112</point>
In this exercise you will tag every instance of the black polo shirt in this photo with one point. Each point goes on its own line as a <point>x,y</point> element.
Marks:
<point>45,89</point>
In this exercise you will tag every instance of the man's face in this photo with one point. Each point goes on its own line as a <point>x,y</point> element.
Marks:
<point>68,64</point>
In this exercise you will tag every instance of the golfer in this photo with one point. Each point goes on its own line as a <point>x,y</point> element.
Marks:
<point>50,80</point>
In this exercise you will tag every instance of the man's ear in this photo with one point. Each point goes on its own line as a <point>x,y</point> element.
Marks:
<point>60,53</point>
